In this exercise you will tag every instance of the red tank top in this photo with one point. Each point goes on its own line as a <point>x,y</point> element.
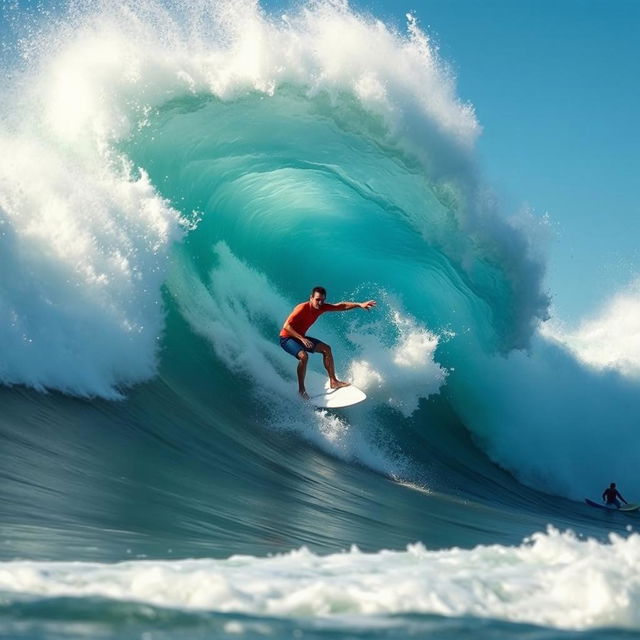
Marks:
<point>303,316</point>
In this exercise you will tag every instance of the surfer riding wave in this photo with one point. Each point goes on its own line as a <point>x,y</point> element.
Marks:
<point>293,338</point>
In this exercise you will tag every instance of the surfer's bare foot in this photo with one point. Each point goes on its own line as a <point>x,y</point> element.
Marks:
<point>303,394</point>
<point>338,384</point>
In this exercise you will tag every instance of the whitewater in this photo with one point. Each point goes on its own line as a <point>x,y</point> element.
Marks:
<point>175,177</point>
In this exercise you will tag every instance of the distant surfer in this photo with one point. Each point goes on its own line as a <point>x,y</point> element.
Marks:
<point>294,338</point>
<point>611,495</point>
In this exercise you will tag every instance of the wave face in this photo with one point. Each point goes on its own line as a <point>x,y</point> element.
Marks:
<point>175,178</point>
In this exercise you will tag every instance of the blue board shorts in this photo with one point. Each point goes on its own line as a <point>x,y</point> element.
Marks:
<point>293,345</point>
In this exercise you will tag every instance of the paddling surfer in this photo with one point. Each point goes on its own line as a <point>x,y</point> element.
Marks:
<point>611,495</point>
<point>295,341</point>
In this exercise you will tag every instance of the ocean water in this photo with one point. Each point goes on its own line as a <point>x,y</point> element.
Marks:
<point>174,178</point>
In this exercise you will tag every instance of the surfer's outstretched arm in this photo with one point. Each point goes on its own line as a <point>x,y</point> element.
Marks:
<point>347,306</point>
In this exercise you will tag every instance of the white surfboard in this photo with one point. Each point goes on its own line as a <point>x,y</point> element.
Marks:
<point>323,396</point>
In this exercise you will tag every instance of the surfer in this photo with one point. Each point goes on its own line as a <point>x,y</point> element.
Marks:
<point>611,495</point>
<point>294,338</point>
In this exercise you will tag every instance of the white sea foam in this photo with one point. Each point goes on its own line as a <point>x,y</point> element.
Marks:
<point>84,253</point>
<point>554,579</point>
<point>610,339</point>
<point>402,372</point>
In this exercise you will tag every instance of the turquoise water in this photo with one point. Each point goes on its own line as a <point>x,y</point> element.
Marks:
<point>175,180</point>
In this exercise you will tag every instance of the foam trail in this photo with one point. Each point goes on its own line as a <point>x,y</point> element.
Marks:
<point>239,312</point>
<point>541,582</point>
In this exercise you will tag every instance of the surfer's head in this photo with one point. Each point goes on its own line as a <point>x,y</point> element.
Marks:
<point>613,485</point>
<point>318,296</point>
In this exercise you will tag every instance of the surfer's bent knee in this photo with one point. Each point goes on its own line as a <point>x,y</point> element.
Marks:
<point>322,347</point>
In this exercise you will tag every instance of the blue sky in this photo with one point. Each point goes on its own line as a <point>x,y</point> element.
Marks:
<point>555,88</point>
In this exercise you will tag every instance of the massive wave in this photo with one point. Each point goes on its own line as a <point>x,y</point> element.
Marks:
<point>310,155</point>
<point>180,174</point>
<point>174,177</point>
